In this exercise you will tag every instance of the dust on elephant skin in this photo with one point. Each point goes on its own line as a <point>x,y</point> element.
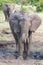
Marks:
<point>22,26</point>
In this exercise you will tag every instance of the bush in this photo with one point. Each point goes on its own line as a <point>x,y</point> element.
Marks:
<point>37,3</point>
<point>39,7</point>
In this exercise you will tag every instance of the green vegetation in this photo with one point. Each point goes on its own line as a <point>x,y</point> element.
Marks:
<point>0,11</point>
<point>37,3</point>
<point>40,6</point>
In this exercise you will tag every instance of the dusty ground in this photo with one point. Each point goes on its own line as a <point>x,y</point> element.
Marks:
<point>37,45</point>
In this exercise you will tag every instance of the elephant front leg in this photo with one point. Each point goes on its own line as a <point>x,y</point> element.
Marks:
<point>29,43</point>
<point>25,51</point>
<point>17,47</point>
<point>17,50</point>
<point>21,49</point>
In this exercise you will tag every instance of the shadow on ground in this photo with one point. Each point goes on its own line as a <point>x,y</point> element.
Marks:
<point>36,55</point>
<point>36,51</point>
<point>4,52</point>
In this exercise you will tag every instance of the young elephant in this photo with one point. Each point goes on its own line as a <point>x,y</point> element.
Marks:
<point>29,25</point>
<point>22,26</point>
<point>7,9</point>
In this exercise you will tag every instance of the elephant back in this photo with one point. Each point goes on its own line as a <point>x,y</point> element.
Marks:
<point>8,6</point>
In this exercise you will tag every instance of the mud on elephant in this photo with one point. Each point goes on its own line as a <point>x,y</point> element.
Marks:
<point>22,26</point>
<point>7,8</point>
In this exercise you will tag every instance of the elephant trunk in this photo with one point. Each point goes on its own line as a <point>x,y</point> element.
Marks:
<point>24,37</point>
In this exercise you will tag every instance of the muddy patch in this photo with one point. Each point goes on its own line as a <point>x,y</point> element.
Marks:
<point>5,53</point>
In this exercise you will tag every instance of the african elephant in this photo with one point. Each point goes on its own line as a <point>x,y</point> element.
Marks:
<point>7,9</point>
<point>22,26</point>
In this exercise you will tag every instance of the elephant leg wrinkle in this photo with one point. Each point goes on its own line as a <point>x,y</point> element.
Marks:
<point>29,42</point>
<point>25,51</point>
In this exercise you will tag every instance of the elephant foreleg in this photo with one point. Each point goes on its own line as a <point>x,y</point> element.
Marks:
<point>17,49</point>
<point>25,50</point>
<point>17,44</point>
<point>21,48</point>
<point>29,43</point>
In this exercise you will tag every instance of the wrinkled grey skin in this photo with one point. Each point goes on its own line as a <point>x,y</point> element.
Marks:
<point>22,26</point>
<point>7,9</point>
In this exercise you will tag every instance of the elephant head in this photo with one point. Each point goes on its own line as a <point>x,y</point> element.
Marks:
<point>7,9</point>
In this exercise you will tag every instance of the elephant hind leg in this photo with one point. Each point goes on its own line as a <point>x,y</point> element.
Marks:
<point>5,13</point>
<point>8,14</point>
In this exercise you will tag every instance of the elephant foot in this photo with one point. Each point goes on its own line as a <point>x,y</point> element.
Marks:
<point>16,55</point>
<point>24,55</point>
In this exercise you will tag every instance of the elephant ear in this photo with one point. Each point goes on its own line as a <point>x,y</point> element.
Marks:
<point>35,22</point>
<point>4,8</point>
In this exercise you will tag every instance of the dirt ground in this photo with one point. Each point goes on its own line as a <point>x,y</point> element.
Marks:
<point>37,45</point>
